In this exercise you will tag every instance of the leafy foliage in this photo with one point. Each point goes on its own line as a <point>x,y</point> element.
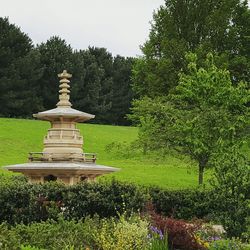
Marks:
<point>91,233</point>
<point>232,185</point>
<point>204,112</point>
<point>122,91</point>
<point>56,55</point>
<point>181,235</point>
<point>184,204</point>
<point>103,198</point>
<point>196,26</point>
<point>25,203</point>
<point>125,233</point>
<point>227,244</point>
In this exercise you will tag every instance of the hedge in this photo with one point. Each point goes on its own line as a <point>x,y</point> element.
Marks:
<point>21,202</point>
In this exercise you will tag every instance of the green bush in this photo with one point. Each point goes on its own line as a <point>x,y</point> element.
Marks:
<point>105,199</point>
<point>184,204</point>
<point>15,201</point>
<point>123,233</point>
<point>105,234</point>
<point>232,244</point>
<point>22,202</point>
<point>9,239</point>
<point>232,184</point>
<point>57,234</point>
<point>209,205</point>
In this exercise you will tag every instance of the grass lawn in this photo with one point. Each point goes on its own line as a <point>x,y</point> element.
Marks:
<point>19,136</point>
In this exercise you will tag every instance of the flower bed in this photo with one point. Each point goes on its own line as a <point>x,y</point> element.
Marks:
<point>123,233</point>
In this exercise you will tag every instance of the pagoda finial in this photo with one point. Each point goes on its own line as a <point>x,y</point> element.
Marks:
<point>64,90</point>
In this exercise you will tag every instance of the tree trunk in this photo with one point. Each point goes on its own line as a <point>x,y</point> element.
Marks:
<point>201,172</point>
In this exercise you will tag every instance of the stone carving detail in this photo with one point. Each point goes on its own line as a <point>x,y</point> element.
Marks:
<point>64,97</point>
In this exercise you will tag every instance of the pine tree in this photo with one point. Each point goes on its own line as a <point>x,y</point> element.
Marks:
<point>122,90</point>
<point>20,71</point>
<point>104,61</point>
<point>56,55</point>
<point>86,82</point>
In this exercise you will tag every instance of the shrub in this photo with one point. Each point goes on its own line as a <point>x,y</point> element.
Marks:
<point>232,185</point>
<point>9,239</point>
<point>49,235</point>
<point>123,234</point>
<point>183,204</point>
<point>104,198</point>
<point>22,202</point>
<point>57,235</point>
<point>107,234</point>
<point>181,235</point>
<point>232,244</point>
<point>203,204</point>
<point>15,200</point>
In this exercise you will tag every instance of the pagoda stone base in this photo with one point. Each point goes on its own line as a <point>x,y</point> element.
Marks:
<point>67,172</point>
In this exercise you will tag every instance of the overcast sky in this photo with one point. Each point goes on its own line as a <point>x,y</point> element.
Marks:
<point>118,25</point>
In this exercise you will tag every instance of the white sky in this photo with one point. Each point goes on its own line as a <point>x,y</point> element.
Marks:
<point>118,25</point>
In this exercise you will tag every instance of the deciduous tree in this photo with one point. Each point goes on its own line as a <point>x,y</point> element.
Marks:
<point>199,26</point>
<point>203,113</point>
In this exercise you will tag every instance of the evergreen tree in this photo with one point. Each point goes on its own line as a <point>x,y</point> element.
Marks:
<point>29,82</point>
<point>56,55</point>
<point>20,71</point>
<point>104,61</point>
<point>86,82</point>
<point>122,91</point>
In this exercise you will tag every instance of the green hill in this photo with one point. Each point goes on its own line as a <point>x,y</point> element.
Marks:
<point>19,136</point>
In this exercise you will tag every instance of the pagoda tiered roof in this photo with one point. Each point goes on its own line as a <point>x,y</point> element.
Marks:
<point>64,109</point>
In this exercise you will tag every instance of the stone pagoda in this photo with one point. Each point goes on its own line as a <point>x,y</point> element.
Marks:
<point>62,157</point>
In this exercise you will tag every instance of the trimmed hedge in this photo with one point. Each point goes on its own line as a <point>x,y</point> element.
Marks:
<point>21,202</point>
<point>209,205</point>
<point>184,204</point>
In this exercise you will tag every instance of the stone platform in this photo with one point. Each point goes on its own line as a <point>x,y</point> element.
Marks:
<point>69,173</point>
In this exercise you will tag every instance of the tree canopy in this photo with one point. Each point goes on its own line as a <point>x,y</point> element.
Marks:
<point>204,112</point>
<point>20,69</point>
<point>29,82</point>
<point>220,27</point>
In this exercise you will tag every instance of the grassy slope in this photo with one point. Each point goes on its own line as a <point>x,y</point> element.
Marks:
<point>18,137</point>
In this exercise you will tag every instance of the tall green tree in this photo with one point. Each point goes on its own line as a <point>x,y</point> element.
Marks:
<point>203,113</point>
<point>104,61</point>
<point>29,82</point>
<point>199,26</point>
<point>122,90</point>
<point>86,82</point>
<point>20,71</point>
<point>56,55</point>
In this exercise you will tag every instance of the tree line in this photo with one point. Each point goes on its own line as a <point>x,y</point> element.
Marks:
<point>101,83</point>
